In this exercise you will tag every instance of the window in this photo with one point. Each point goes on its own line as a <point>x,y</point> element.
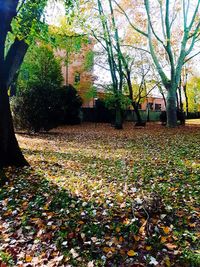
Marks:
<point>150,106</point>
<point>158,107</point>
<point>77,78</point>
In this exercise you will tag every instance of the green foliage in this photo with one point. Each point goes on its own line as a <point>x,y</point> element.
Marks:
<point>6,258</point>
<point>112,101</point>
<point>43,108</point>
<point>192,258</point>
<point>91,93</point>
<point>27,24</point>
<point>89,61</point>
<point>40,67</point>
<point>193,92</point>
<point>41,103</point>
<point>65,36</point>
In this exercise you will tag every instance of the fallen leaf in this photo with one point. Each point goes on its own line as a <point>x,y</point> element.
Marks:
<point>131,253</point>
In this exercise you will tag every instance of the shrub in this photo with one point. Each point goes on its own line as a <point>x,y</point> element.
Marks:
<point>41,103</point>
<point>43,108</point>
<point>72,103</point>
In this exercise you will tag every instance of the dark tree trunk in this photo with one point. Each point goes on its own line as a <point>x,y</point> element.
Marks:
<point>10,153</point>
<point>134,104</point>
<point>137,112</point>
<point>118,118</point>
<point>171,108</point>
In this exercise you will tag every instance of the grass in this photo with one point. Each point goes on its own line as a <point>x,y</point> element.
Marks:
<point>193,121</point>
<point>94,196</point>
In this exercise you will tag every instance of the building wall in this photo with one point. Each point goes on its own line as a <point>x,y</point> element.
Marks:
<point>155,103</point>
<point>76,69</point>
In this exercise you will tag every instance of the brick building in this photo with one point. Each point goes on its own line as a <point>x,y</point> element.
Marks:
<point>77,73</point>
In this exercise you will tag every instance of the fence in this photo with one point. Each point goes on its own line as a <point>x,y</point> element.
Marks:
<point>106,115</point>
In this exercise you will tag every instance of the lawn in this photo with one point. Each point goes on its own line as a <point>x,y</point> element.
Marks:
<point>94,196</point>
<point>193,121</point>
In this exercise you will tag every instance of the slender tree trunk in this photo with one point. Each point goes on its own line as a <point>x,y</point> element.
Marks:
<point>10,153</point>
<point>186,99</point>
<point>177,101</point>
<point>171,108</point>
<point>134,104</point>
<point>137,112</point>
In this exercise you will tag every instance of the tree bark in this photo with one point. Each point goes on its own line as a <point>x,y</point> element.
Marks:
<point>171,108</point>
<point>10,153</point>
<point>137,112</point>
<point>186,99</point>
<point>134,104</point>
<point>118,118</point>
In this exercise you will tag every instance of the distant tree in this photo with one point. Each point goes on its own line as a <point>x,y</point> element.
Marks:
<point>193,94</point>
<point>109,39</point>
<point>40,68</point>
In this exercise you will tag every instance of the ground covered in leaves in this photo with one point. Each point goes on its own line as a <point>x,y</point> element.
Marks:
<point>94,196</point>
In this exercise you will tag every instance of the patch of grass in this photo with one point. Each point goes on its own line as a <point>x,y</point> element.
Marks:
<point>102,197</point>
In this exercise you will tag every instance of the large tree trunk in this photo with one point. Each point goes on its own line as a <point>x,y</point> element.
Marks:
<point>10,153</point>
<point>171,108</point>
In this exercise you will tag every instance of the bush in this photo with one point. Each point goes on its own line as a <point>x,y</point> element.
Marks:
<point>163,117</point>
<point>42,108</point>
<point>72,103</point>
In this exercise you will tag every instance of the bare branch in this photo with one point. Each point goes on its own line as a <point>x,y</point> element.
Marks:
<point>129,21</point>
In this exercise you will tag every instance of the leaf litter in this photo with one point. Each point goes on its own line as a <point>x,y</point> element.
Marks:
<point>94,196</point>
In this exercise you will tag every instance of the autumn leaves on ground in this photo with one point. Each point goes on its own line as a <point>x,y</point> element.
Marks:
<point>94,196</point>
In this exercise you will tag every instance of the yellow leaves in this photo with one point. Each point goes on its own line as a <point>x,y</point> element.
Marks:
<point>167,261</point>
<point>25,204</point>
<point>119,198</point>
<point>28,258</point>
<point>106,249</point>
<point>126,221</point>
<point>80,222</point>
<point>163,239</point>
<point>8,213</point>
<point>109,251</point>
<point>166,230</point>
<point>137,238</point>
<point>131,253</point>
<point>46,207</point>
<point>118,229</point>
<point>142,228</point>
<point>148,248</point>
<point>112,249</point>
<point>192,225</point>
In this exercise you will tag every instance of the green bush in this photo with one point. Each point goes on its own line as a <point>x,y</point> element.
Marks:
<point>41,103</point>
<point>43,108</point>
